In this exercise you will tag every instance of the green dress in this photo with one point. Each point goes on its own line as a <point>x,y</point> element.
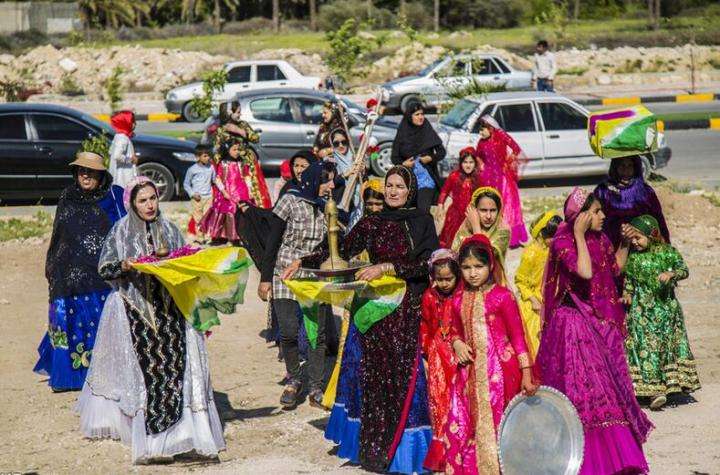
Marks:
<point>657,346</point>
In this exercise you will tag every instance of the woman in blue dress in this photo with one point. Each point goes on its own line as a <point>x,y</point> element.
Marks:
<point>86,211</point>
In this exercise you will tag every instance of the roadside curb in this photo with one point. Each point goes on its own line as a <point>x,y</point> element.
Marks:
<point>635,100</point>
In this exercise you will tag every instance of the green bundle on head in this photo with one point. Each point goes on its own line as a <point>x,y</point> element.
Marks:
<point>99,144</point>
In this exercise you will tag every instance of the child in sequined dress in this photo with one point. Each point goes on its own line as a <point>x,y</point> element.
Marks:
<point>441,362</point>
<point>658,352</point>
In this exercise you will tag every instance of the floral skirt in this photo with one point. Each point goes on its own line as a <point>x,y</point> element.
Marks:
<point>66,348</point>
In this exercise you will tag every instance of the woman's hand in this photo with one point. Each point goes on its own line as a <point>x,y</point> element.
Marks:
<point>265,291</point>
<point>528,386</point>
<point>463,352</point>
<point>243,206</point>
<point>626,299</point>
<point>325,152</point>
<point>291,270</point>
<point>582,223</point>
<point>666,277</point>
<point>473,217</point>
<point>409,163</point>
<point>126,265</point>
<point>371,272</point>
<point>425,159</point>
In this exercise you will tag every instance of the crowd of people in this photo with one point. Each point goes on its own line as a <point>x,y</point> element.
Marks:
<point>424,388</point>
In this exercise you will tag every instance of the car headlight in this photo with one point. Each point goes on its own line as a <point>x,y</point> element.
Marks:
<point>185,156</point>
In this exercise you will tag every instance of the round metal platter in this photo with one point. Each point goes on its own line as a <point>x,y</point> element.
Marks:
<point>336,275</point>
<point>541,435</point>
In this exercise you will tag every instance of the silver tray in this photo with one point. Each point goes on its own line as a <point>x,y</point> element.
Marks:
<point>541,435</point>
<point>336,275</point>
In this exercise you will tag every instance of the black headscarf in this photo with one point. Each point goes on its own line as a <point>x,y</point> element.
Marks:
<point>310,181</point>
<point>418,223</point>
<point>412,140</point>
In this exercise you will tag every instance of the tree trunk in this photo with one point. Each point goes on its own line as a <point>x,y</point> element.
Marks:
<point>369,9</point>
<point>654,14</point>
<point>656,25</point>
<point>576,10</point>
<point>216,16</point>
<point>313,14</point>
<point>401,10</point>
<point>276,15</point>
<point>436,16</point>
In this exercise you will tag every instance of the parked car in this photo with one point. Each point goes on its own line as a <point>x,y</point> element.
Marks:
<point>241,76</point>
<point>288,120</point>
<point>551,130</point>
<point>431,85</point>
<point>38,141</point>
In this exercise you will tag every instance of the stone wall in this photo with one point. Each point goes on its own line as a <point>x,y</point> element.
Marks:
<point>46,17</point>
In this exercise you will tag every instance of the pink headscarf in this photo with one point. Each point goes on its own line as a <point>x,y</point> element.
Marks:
<point>574,203</point>
<point>138,180</point>
<point>442,254</point>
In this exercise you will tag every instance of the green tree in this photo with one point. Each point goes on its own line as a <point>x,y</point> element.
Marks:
<point>113,88</point>
<point>107,13</point>
<point>346,47</point>
<point>213,82</point>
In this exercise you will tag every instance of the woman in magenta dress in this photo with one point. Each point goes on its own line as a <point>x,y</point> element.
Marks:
<point>501,157</point>
<point>229,189</point>
<point>489,342</point>
<point>459,187</point>
<point>581,350</point>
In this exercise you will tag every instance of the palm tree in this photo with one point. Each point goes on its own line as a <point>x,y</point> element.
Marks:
<point>436,15</point>
<point>108,13</point>
<point>276,15</point>
<point>312,4</point>
<point>192,9</point>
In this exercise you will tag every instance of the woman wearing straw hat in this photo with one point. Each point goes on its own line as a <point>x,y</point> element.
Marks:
<point>85,213</point>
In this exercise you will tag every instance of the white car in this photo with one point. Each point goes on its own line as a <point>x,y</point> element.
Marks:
<point>550,129</point>
<point>242,76</point>
<point>433,85</point>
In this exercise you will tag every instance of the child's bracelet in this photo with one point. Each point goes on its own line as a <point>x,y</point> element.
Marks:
<point>526,367</point>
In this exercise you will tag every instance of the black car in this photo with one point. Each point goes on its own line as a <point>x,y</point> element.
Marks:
<point>38,141</point>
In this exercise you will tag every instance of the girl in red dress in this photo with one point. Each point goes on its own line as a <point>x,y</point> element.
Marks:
<point>459,187</point>
<point>441,362</point>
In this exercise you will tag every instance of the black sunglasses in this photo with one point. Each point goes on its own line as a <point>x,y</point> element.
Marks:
<point>338,143</point>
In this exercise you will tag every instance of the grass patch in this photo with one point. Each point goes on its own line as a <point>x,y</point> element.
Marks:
<point>23,228</point>
<point>180,134</point>
<point>576,71</point>
<point>713,197</point>
<point>677,116</point>
<point>535,206</point>
<point>581,34</point>
<point>682,187</point>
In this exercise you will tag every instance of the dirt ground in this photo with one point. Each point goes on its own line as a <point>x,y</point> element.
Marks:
<point>39,429</point>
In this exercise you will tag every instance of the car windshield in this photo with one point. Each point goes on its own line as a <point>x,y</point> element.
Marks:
<point>426,70</point>
<point>457,116</point>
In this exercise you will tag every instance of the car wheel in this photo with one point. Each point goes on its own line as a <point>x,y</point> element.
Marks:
<point>383,162</point>
<point>162,177</point>
<point>405,102</point>
<point>189,113</point>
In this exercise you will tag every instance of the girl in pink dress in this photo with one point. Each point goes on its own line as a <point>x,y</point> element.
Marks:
<point>488,339</point>
<point>581,349</point>
<point>501,157</point>
<point>229,189</point>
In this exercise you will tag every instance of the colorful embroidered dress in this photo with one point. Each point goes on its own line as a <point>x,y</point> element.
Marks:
<point>500,155</point>
<point>219,222</point>
<point>529,281</point>
<point>657,346</point>
<point>441,366</point>
<point>459,187</point>
<point>489,323</point>
<point>77,292</point>
<point>582,349</point>
<point>250,168</point>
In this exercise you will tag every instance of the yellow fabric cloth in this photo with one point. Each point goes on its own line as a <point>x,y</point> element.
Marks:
<point>331,389</point>
<point>529,279</point>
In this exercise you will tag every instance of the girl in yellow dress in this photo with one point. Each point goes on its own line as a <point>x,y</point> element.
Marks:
<point>529,276</point>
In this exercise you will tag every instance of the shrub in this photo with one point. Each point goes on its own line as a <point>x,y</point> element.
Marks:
<point>68,86</point>
<point>213,82</point>
<point>249,25</point>
<point>575,71</point>
<point>334,14</point>
<point>346,48</point>
<point>485,13</point>
<point>416,16</point>
<point>113,88</point>
<point>15,228</point>
<point>99,144</point>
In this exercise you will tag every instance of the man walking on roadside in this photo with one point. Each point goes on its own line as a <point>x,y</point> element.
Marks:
<point>544,68</point>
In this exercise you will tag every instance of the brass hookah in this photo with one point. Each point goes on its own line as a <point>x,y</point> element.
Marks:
<point>334,261</point>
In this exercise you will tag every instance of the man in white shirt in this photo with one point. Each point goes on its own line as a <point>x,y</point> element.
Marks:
<point>544,68</point>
